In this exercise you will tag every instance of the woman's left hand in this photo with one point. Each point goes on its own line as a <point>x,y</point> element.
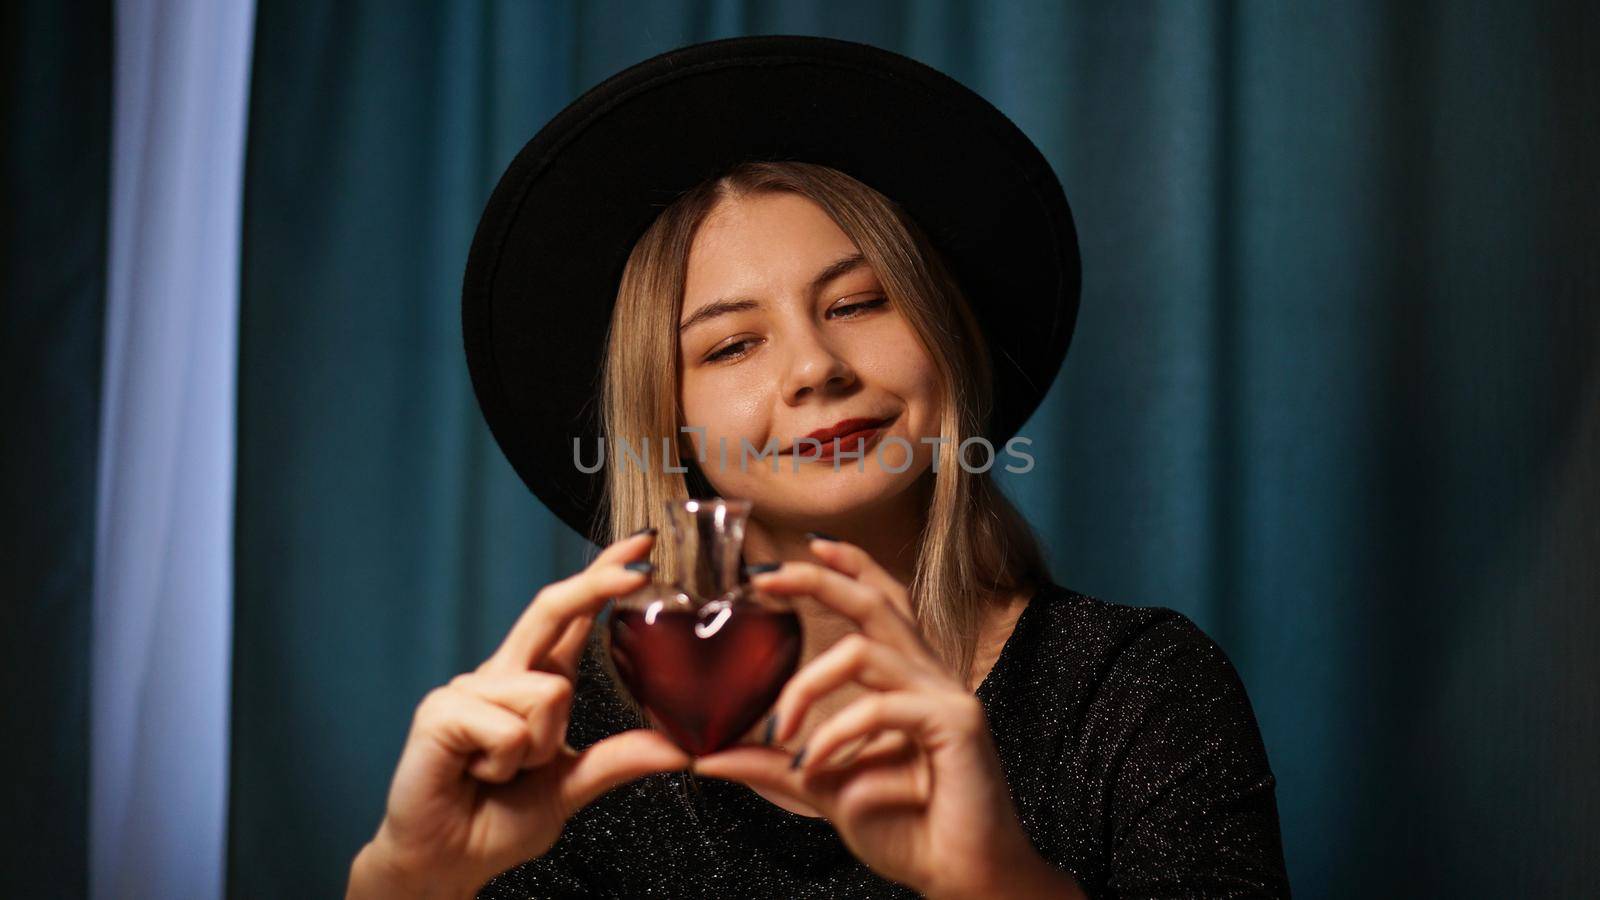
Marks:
<point>923,801</point>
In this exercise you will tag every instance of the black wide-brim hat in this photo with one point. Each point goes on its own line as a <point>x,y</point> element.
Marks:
<point>548,255</point>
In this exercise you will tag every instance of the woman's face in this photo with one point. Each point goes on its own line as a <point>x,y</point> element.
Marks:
<point>785,332</point>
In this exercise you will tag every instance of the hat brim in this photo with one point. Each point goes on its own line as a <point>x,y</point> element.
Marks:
<point>548,254</point>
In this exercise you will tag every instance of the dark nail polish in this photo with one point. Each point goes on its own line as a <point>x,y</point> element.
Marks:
<point>642,567</point>
<point>819,536</point>
<point>761,568</point>
<point>798,759</point>
<point>648,529</point>
<point>772,726</point>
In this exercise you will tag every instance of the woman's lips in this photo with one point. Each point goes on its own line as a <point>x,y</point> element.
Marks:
<point>845,427</point>
<point>857,440</point>
<point>854,442</point>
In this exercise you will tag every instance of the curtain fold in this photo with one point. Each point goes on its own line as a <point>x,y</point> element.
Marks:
<point>55,144</point>
<point>163,564</point>
<point>1332,392</point>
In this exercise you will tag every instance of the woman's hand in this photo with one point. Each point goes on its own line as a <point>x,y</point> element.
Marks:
<point>486,779</point>
<point>922,798</point>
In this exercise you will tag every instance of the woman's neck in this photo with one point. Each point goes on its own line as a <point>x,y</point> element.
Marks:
<point>891,534</point>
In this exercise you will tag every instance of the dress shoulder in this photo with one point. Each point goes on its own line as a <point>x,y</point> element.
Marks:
<point>1115,646</point>
<point>1159,751</point>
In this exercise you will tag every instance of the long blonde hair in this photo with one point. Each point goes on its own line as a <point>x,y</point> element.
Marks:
<point>974,545</point>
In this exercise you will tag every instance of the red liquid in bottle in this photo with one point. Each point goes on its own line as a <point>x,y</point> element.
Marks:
<point>705,677</point>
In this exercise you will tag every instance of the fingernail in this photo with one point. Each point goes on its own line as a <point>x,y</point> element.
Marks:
<point>772,726</point>
<point>819,536</point>
<point>761,568</point>
<point>798,759</point>
<point>648,529</point>
<point>605,612</point>
<point>643,567</point>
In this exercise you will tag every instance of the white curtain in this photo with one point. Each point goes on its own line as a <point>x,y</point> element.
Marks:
<point>164,518</point>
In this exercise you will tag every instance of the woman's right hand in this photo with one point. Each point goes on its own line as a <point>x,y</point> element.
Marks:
<point>486,779</point>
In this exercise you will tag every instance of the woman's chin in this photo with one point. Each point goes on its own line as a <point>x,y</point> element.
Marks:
<point>814,495</point>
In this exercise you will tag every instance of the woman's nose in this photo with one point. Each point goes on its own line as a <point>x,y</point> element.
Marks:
<point>814,367</point>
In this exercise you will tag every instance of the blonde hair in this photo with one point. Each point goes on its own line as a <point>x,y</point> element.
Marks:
<point>974,544</point>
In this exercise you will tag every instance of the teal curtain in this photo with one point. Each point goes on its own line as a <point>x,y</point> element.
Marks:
<point>1332,392</point>
<point>55,173</point>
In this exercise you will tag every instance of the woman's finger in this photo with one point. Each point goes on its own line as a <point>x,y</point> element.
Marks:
<point>547,618</point>
<point>615,761</point>
<point>853,658</point>
<point>564,656</point>
<point>891,776</point>
<point>874,746</point>
<point>542,699</point>
<point>851,560</point>
<point>489,740</point>
<point>863,604</point>
<point>763,768</point>
<point>932,719</point>
<point>894,778</point>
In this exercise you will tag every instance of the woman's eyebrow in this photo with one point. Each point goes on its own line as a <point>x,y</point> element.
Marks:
<point>840,266</point>
<point>718,308</point>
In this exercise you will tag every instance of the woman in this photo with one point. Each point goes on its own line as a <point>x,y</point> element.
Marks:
<point>960,724</point>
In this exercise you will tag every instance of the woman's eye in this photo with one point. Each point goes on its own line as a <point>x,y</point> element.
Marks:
<point>851,310</point>
<point>731,351</point>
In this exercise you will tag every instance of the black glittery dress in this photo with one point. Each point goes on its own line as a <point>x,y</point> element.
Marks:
<point>1130,748</point>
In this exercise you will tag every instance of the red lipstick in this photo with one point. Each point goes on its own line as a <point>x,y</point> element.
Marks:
<point>844,427</point>
<point>844,436</point>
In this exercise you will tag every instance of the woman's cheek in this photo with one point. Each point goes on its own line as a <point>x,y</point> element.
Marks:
<point>729,409</point>
<point>896,362</point>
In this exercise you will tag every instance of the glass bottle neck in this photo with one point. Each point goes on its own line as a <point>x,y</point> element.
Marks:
<point>706,541</point>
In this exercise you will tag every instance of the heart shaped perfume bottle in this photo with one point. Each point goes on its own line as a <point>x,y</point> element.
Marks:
<point>700,651</point>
